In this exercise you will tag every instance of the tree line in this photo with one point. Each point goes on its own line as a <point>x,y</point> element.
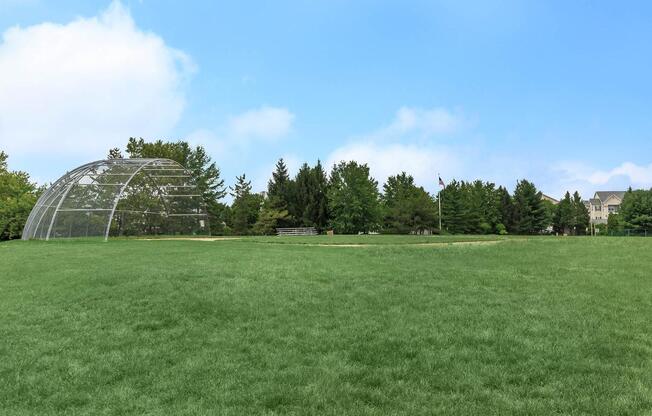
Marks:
<point>348,200</point>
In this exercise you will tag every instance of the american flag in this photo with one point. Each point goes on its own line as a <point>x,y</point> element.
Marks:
<point>441,183</point>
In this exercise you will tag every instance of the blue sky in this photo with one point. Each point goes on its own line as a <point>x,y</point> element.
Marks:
<point>556,92</point>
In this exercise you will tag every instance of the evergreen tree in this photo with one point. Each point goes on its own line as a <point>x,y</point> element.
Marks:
<point>491,205</point>
<point>245,207</point>
<point>454,209</point>
<point>529,211</point>
<point>114,153</point>
<point>318,203</point>
<point>477,208</point>
<point>564,221</point>
<point>581,215</point>
<point>279,185</point>
<point>280,194</point>
<point>303,183</point>
<point>505,210</point>
<point>353,199</point>
<point>268,220</point>
<point>309,200</point>
<point>406,207</point>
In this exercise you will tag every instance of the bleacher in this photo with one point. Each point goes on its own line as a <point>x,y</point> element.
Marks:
<point>296,231</point>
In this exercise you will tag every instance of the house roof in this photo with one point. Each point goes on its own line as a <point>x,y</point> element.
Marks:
<point>595,201</point>
<point>549,198</point>
<point>604,195</point>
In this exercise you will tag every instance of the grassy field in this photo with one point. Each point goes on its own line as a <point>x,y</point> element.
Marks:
<point>395,325</point>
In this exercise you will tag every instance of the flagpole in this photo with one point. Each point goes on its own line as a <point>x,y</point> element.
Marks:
<point>439,200</point>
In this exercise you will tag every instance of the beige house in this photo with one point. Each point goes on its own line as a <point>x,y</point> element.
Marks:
<point>604,203</point>
<point>549,198</point>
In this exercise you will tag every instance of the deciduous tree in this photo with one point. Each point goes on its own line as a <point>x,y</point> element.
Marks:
<point>636,210</point>
<point>353,199</point>
<point>17,198</point>
<point>203,170</point>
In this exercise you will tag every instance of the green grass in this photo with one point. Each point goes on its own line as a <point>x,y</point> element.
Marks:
<point>257,326</point>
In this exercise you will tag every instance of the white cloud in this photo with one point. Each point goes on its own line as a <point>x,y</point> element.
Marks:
<point>234,139</point>
<point>400,146</point>
<point>574,175</point>
<point>384,160</point>
<point>636,175</point>
<point>416,123</point>
<point>640,176</point>
<point>265,123</point>
<point>82,87</point>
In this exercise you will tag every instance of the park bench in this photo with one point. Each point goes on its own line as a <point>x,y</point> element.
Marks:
<point>297,231</point>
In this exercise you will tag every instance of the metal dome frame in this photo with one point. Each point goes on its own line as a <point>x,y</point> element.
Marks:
<point>84,201</point>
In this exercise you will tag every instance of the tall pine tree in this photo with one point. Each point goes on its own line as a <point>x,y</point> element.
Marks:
<point>318,202</point>
<point>563,221</point>
<point>245,207</point>
<point>505,210</point>
<point>581,213</point>
<point>280,195</point>
<point>529,212</point>
<point>309,201</point>
<point>454,208</point>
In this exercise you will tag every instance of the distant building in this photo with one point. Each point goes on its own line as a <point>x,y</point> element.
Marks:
<point>549,198</point>
<point>604,203</point>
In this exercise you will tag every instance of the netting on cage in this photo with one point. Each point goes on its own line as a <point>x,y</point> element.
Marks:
<point>120,197</point>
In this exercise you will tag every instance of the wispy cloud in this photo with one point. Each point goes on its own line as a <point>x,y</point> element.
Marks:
<point>236,136</point>
<point>411,123</point>
<point>264,123</point>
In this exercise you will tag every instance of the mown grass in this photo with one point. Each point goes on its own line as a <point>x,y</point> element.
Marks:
<point>530,326</point>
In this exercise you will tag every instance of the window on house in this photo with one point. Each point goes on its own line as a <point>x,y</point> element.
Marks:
<point>613,208</point>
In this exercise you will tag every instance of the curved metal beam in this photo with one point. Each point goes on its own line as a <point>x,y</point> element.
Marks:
<point>31,229</point>
<point>119,195</point>
<point>80,171</point>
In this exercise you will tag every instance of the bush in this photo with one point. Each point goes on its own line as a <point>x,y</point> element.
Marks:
<point>500,229</point>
